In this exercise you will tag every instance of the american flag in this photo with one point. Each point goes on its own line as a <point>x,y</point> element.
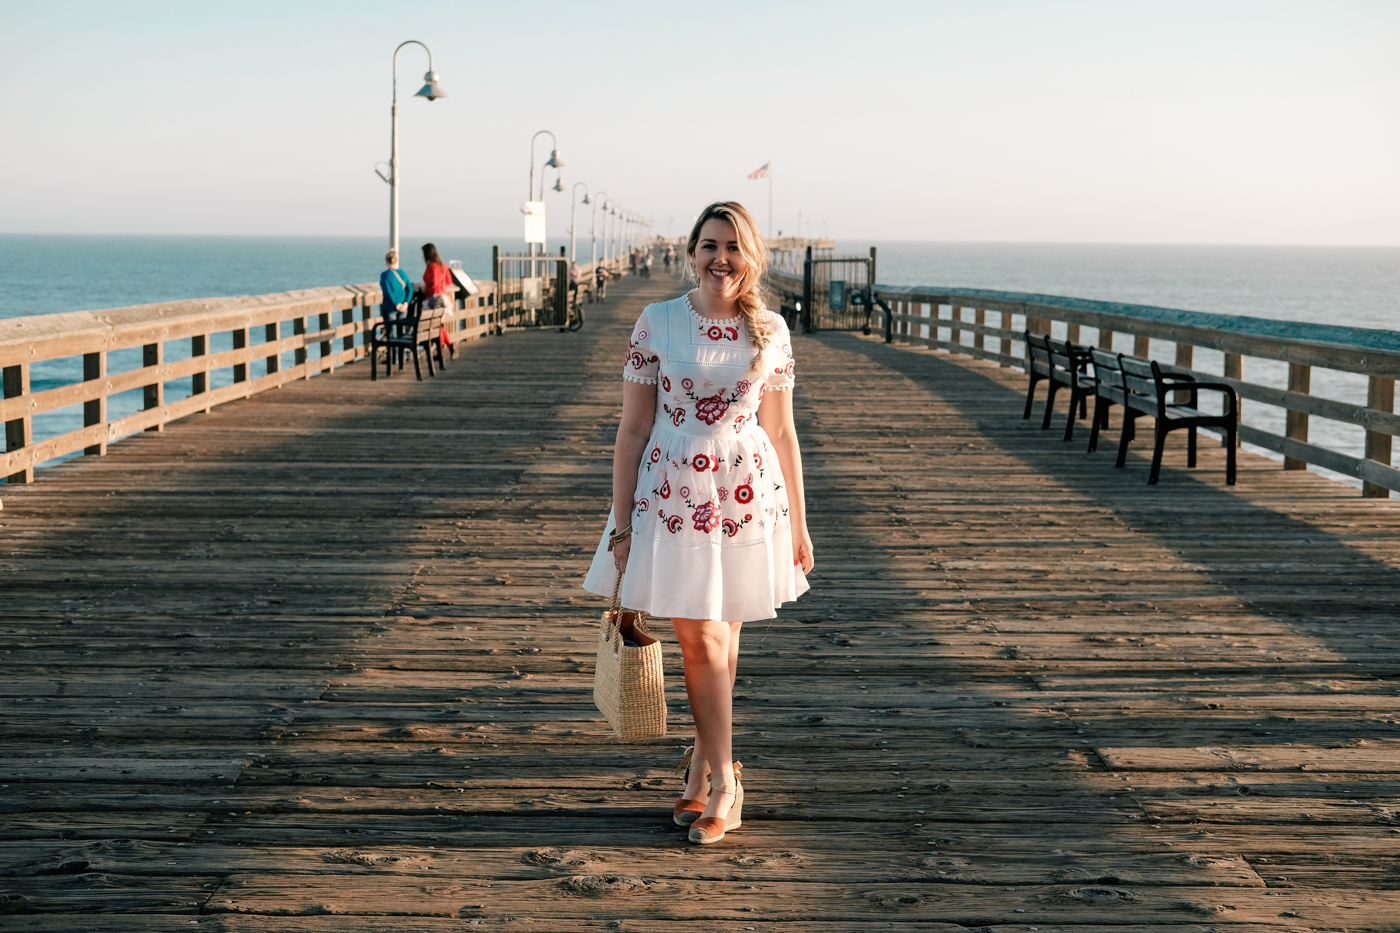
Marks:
<point>758,173</point>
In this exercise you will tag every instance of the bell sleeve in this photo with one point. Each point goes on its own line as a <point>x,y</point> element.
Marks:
<point>643,362</point>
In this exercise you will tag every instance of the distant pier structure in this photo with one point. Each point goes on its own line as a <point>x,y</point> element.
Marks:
<point>318,659</point>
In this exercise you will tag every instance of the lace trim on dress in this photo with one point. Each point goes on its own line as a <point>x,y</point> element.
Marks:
<point>786,388</point>
<point>706,320</point>
<point>643,381</point>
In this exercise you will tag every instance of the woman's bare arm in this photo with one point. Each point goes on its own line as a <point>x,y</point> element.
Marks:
<point>775,417</point>
<point>638,413</point>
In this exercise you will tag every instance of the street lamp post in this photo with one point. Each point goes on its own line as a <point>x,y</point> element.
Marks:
<point>573,219</point>
<point>431,90</point>
<point>593,230</point>
<point>552,162</point>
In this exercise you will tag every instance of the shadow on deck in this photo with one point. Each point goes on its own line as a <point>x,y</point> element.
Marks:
<point>319,661</point>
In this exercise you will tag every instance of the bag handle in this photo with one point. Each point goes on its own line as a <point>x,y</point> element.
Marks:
<point>641,621</point>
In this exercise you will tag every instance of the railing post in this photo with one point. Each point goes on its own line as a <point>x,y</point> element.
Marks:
<point>1142,346</point>
<point>1105,339</point>
<point>1185,353</point>
<point>95,410</point>
<point>299,354</point>
<point>17,430</point>
<point>153,354</point>
<point>270,335</point>
<point>240,342</point>
<point>1234,369</point>
<point>347,316</point>
<point>1005,341</point>
<point>1296,423</point>
<point>1072,333</point>
<point>1380,395</point>
<point>979,315</point>
<point>199,382</point>
<point>955,332</point>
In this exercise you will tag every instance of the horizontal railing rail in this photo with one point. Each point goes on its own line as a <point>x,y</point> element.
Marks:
<point>327,328</point>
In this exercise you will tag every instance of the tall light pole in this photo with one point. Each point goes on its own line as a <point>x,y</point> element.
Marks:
<point>573,221</point>
<point>431,90</point>
<point>593,232</point>
<point>553,162</point>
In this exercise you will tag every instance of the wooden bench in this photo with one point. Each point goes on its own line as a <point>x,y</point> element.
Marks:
<point>416,330</point>
<point>1108,390</point>
<point>1147,390</point>
<point>1060,364</point>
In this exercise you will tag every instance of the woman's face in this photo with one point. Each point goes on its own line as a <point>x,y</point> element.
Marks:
<point>718,262</point>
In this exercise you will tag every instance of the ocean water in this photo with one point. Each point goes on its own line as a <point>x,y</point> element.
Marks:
<point>1356,286</point>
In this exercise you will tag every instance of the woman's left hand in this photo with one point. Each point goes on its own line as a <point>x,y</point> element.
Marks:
<point>802,549</point>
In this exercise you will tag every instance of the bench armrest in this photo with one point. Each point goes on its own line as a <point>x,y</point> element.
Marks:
<point>1229,392</point>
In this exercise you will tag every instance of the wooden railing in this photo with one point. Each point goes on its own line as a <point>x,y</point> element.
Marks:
<point>321,327</point>
<point>990,325</point>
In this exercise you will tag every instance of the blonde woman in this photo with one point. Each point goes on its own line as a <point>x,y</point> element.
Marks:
<point>708,461</point>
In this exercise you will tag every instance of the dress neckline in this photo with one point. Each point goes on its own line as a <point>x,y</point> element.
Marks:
<point>706,320</point>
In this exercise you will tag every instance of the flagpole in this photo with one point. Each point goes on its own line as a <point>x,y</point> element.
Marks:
<point>770,200</point>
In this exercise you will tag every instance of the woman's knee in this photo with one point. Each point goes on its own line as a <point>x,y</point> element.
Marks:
<point>704,642</point>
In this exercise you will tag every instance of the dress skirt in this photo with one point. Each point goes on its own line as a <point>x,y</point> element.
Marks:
<point>711,537</point>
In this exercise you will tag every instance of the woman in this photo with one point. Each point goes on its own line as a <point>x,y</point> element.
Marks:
<point>437,286</point>
<point>716,533</point>
<point>395,286</point>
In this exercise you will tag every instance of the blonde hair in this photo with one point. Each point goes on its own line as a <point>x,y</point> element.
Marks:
<point>751,303</point>
<point>391,257</point>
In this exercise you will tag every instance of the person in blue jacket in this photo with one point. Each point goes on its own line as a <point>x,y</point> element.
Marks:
<point>396,286</point>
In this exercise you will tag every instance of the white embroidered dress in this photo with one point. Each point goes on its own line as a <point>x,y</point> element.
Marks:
<point>711,538</point>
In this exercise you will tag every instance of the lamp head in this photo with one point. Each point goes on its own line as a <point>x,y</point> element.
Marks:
<point>554,160</point>
<point>585,200</point>
<point>558,184</point>
<point>432,90</point>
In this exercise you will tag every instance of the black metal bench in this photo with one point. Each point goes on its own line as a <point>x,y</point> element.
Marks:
<point>1108,390</point>
<point>1148,390</point>
<point>416,330</point>
<point>1060,364</point>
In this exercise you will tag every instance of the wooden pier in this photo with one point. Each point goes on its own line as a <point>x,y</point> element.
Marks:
<point>318,660</point>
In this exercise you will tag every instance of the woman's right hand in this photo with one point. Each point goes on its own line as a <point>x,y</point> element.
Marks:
<point>620,551</point>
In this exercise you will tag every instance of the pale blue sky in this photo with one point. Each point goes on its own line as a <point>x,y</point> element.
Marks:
<point>1079,121</point>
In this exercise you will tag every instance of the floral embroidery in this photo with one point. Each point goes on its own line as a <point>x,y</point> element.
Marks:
<point>685,492</point>
<point>700,462</point>
<point>743,494</point>
<point>738,424</point>
<point>655,454</point>
<point>674,524</point>
<point>678,417</point>
<point>722,493</point>
<point>720,332</point>
<point>710,410</point>
<point>666,383</point>
<point>742,387</point>
<point>687,384</point>
<point>665,490</point>
<point>706,517</point>
<point>642,506</point>
<point>731,527</point>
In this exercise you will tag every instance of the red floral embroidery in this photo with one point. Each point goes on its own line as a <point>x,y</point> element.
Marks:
<point>738,423</point>
<point>665,489</point>
<point>714,333</point>
<point>710,410</point>
<point>748,518</point>
<point>674,524</point>
<point>706,517</point>
<point>678,417</point>
<point>743,494</point>
<point>655,454</point>
<point>700,462</point>
<point>743,387</point>
<point>758,459</point>
<point>722,493</point>
<point>687,384</point>
<point>685,492</point>
<point>787,370</point>
<point>666,383</point>
<point>731,527</point>
<point>732,333</point>
<point>642,505</point>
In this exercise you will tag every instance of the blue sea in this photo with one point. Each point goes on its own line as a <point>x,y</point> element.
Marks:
<point>1356,286</point>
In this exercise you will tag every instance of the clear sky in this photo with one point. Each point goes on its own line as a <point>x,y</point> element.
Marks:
<point>1177,121</point>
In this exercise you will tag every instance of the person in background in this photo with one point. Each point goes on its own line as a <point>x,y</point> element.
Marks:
<point>437,286</point>
<point>600,277</point>
<point>574,276</point>
<point>632,262</point>
<point>646,265</point>
<point>395,286</point>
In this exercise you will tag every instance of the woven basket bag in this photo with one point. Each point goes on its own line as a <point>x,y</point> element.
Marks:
<point>627,683</point>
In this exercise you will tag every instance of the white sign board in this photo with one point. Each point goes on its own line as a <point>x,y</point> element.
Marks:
<point>531,293</point>
<point>534,222</point>
<point>465,282</point>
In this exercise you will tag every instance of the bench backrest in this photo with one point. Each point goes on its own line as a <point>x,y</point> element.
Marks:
<point>1066,357</point>
<point>1038,354</point>
<point>429,323</point>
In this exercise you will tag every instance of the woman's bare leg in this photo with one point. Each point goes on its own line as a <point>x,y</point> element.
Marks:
<point>710,649</point>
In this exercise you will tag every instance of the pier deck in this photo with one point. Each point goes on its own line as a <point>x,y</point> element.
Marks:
<point>318,661</point>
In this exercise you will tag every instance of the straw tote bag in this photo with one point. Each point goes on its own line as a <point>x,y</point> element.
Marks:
<point>627,685</point>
